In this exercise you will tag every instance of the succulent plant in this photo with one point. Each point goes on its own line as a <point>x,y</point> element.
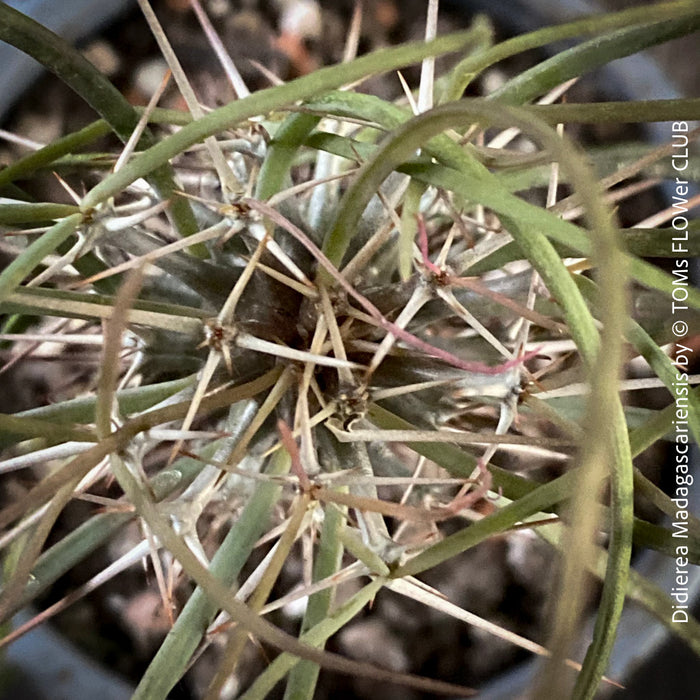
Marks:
<point>310,294</point>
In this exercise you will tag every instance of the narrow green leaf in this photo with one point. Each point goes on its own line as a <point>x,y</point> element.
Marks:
<point>264,101</point>
<point>316,636</point>
<point>409,227</point>
<point>574,62</point>
<point>644,111</point>
<point>281,153</point>
<point>303,677</point>
<point>475,184</point>
<point>133,400</point>
<point>180,319</point>
<point>11,277</point>
<point>94,532</point>
<point>596,24</point>
<point>14,214</point>
<point>172,657</point>
<point>605,416</point>
<point>14,428</point>
<point>27,165</point>
<point>659,425</point>
<point>58,56</point>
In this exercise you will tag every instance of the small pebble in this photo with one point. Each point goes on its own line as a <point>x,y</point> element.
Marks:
<point>149,76</point>
<point>301,18</point>
<point>103,56</point>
